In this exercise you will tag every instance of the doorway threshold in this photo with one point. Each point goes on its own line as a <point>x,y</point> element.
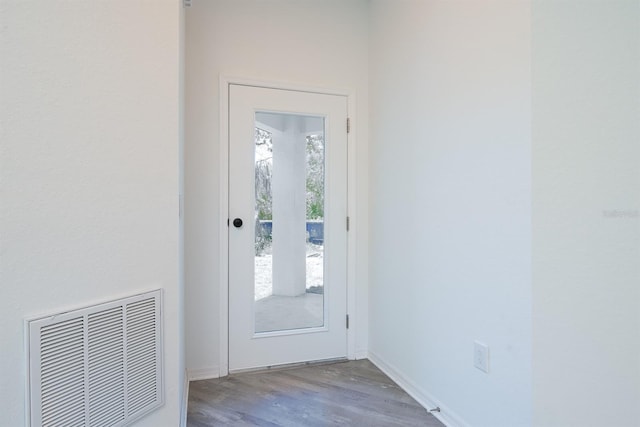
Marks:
<point>286,366</point>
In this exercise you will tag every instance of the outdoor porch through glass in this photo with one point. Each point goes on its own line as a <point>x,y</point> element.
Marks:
<point>289,222</point>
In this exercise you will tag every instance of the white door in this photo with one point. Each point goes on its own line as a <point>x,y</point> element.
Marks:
<point>287,226</point>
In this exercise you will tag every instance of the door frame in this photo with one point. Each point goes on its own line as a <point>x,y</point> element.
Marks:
<point>225,81</point>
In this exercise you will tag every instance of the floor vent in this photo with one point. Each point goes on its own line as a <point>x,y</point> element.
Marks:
<point>99,366</point>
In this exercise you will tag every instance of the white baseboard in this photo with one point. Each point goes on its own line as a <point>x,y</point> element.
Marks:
<point>446,416</point>
<point>361,354</point>
<point>185,400</point>
<point>204,374</point>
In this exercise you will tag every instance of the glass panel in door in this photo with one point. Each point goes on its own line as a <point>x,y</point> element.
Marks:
<point>289,222</point>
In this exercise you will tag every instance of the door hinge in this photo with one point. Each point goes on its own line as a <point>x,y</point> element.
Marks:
<point>348,223</point>
<point>347,321</point>
<point>227,222</point>
<point>348,125</point>
<point>186,3</point>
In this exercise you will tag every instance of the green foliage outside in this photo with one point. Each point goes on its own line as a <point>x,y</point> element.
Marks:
<point>314,176</point>
<point>263,174</point>
<point>263,177</point>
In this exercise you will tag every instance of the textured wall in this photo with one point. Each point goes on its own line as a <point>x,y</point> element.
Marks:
<point>586,213</point>
<point>89,170</point>
<point>450,201</point>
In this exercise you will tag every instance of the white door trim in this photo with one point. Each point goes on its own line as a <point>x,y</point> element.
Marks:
<point>225,81</point>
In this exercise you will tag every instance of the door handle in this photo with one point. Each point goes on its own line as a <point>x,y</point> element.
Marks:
<point>237,223</point>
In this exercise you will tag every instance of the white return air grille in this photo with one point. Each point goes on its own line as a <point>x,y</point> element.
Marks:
<point>99,366</point>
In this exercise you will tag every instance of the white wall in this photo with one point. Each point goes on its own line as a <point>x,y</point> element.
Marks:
<point>586,225</point>
<point>316,43</point>
<point>450,197</point>
<point>182,364</point>
<point>89,170</point>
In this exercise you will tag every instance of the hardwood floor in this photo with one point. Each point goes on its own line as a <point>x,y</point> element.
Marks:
<point>354,393</point>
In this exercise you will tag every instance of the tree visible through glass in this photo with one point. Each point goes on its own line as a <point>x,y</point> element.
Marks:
<point>275,311</point>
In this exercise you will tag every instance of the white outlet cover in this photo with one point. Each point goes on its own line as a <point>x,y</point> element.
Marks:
<point>481,356</point>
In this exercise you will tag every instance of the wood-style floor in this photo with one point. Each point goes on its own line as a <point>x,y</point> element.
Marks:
<point>354,393</point>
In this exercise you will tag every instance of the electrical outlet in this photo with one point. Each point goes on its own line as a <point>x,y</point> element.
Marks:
<point>481,356</point>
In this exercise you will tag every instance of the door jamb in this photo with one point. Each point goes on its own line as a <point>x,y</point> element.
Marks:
<point>225,81</point>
